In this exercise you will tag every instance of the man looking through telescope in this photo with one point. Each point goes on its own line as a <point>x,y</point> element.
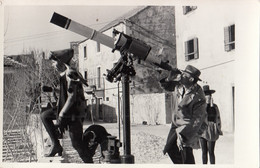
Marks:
<point>188,115</point>
<point>70,110</point>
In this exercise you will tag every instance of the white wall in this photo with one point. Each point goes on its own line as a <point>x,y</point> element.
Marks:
<point>149,108</point>
<point>207,23</point>
<point>104,59</point>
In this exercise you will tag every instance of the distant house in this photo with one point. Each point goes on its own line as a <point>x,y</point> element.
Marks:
<point>75,59</point>
<point>11,65</point>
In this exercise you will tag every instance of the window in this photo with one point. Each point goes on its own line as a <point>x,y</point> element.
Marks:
<point>86,75</point>
<point>98,47</point>
<point>187,9</point>
<point>85,52</point>
<point>191,49</point>
<point>229,38</point>
<point>99,77</point>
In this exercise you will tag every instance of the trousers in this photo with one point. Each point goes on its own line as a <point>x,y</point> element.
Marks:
<point>178,157</point>
<point>75,129</point>
<point>207,147</point>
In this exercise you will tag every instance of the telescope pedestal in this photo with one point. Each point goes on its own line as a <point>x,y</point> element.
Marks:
<point>127,157</point>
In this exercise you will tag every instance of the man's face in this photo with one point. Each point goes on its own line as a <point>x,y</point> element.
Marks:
<point>186,78</point>
<point>89,139</point>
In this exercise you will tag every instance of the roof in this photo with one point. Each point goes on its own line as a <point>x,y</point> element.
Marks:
<point>9,62</point>
<point>121,19</point>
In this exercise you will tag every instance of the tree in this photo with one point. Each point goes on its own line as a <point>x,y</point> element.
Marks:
<point>22,91</point>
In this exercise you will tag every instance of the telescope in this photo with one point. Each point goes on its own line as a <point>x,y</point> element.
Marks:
<point>137,48</point>
<point>130,48</point>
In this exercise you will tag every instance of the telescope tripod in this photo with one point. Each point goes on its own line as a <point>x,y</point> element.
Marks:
<point>122,71</point>
<point>127,157</point>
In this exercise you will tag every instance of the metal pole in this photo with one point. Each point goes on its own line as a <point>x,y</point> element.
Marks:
<point>127,157</point>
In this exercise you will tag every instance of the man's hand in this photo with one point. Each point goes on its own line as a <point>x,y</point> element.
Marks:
<point>63,124</point>
<point>179,142</point>
<point>174,75</point>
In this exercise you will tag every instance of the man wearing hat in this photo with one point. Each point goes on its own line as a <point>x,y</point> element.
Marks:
<point>70,110</point>
<point>188,115</point>
<point>211,134</point>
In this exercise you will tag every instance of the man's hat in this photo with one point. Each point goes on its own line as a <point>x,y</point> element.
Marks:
<point>62,55</point>
<point>207,91</point>
<point>194,72</point>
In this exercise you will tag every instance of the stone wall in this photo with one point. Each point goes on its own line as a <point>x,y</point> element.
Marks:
<point>37,134</point>
<point>155,25</point>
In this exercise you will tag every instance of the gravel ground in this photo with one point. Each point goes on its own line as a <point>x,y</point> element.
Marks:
<point>147,143</point>
<point>146,147</point>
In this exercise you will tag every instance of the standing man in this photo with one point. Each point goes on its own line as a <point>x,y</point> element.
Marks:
<point>70,109</point>
<point>188,115</point>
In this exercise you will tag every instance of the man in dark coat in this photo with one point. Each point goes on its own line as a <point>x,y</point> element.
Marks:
<point>188,115</point>
<point>70,109</point>
<point>96,135</point>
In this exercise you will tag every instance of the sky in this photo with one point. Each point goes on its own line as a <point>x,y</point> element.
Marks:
<point>28,27</point>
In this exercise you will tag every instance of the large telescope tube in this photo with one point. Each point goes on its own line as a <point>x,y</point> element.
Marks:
<point>85,31</point>
<point>136,47</point>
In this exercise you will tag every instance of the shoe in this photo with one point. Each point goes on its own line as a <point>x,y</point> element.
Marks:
<point>55,149</point>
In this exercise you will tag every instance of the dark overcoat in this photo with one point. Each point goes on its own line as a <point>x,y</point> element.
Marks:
<point>71,102</point>
<point>188,111</point>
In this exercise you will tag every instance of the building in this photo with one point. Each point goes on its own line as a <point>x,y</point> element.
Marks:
<point>205,38</point>
<point>75,62</point>
<point>154,25</point>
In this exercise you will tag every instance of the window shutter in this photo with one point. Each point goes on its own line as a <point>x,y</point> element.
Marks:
<point>184,10</point>
<point>196,48</point>
<point>233,32</point>
<point>226,39</point>
<point>186,51</point>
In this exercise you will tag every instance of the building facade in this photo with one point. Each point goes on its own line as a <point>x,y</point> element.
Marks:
<point>205,38</point>
<point>152,25</point>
